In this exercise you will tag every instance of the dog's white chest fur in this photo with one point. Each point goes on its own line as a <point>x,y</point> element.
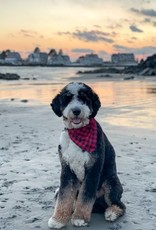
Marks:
<point>73,155</point>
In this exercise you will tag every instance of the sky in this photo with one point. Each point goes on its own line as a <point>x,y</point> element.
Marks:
<point>79,27</point>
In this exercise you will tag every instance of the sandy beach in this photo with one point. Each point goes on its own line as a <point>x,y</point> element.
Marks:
<point>29,134</point>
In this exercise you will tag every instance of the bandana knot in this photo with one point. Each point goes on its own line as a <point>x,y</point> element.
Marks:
<point>85,137</point>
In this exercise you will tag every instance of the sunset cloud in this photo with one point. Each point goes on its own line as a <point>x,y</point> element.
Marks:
<point>146,12</point>
<point>28,33</point>
<point>81,50</point>
<point>89,36</point>
<point>145,50</point>
<point>92,36</point>
<point>135,29</point>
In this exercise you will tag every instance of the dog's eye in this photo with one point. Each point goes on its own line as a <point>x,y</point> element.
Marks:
<point>83,97</point>
<point>67,98</point>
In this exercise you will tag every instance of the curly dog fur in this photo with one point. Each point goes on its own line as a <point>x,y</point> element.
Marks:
<point>88,181</point>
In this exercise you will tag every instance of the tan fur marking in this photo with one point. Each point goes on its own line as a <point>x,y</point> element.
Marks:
<point>116,210</point>
<point>82,210</point>
<point>100,193</point>
<point>106,191</point>
<point>64,207</point>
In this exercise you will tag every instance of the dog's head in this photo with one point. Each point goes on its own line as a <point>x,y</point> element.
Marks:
<point>77,103</point>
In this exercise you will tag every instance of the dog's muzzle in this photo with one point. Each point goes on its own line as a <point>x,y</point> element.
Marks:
<point>76,111</point>
<point>76,119</point>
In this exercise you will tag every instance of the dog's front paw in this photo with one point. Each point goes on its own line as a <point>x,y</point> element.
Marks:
<point>53,223</point>
<point>79,222</point>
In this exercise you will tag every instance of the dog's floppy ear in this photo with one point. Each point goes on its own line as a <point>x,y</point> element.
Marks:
<point>96,104</point>
<point>56,105</point>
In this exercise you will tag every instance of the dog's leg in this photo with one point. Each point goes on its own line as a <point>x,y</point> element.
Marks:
<point>83,209</point>
<point>65,199</point>
<point>112,195</point>
<point>86,198</point>
<point>112,187</point>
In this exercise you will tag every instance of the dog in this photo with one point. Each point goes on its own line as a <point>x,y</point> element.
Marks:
<point>88,181</point>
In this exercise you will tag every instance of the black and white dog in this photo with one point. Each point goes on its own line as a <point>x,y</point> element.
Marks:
<point>89,181</point>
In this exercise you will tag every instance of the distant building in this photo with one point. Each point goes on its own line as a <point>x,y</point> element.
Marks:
<point>1,58</point>
<point>89,60</point>
<point>9,57</point>
<point>37,58</point>
<point>59,58</point>
<point>123,58</point>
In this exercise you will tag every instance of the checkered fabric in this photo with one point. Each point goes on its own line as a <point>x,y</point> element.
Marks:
<point>85,137</point>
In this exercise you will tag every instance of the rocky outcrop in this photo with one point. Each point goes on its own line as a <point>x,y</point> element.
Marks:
<point>150,62</point>
<point>148,67</point>
<point>148,72</point>
<point>131,70</point>
<point>128,78</point>
<point>9,76</point>
<point>101,70</point>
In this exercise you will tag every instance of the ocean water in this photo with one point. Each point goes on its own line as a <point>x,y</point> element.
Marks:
<point>130,103</point>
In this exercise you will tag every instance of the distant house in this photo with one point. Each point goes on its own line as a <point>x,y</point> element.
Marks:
<point>37,58</point>
<point>123,58</point>
<point>2,57</point>
<point>9,57</point>
<point>43,58</point>
<point>13,58</point>
<point>89,60</point>
<point>59,58</point>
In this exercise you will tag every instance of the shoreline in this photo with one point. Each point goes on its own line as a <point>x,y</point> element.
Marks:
<point>72,65</point>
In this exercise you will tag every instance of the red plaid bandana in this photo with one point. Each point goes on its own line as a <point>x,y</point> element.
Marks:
<point>85,137</point>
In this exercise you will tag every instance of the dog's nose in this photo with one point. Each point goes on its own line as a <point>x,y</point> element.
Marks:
<point>76,111</point>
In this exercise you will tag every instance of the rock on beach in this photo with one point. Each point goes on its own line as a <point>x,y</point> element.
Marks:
<point>9,76</point>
